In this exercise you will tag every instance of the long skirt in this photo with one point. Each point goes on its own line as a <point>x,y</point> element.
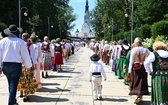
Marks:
<point>139,84</point>
<point>58,59</point>
<point>120,72</point>
<point>46,61</point>
<point>27,82</point>
<point>159,89</point>
<point>37,75</point>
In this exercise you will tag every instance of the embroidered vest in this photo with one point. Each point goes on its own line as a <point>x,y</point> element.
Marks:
<point>124,51</point>
<point>160,63</point>
<point>45,47</point>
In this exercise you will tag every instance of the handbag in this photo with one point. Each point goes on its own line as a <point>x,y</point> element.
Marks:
<point>137,64</point>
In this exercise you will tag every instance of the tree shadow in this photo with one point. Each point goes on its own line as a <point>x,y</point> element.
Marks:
<point>145,103</point>
<point>58,76</point>
<point>34,98</point>
<point>115,100</point>
<point>57,89</point>
<point>48,84</point>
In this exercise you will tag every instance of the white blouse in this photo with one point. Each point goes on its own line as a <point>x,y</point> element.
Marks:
<point>132,55</point>
<point>151,58</point>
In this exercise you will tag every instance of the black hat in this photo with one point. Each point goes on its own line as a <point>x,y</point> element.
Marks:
<point>95,57</point>
<point>13,30</point>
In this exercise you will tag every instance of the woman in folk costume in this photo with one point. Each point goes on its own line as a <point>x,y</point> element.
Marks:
<point>139,83</point>
<point>64,51</point>
<point>58,58</point>
<point>112,56</point>
<point>27,83</point>
<point>53,41</point>
<point>47,56</point>
<point>117,56</point>
<point>37,48</point>
<point>124,49</point>
<point>106,50</point>
<point>101,45</point>
<point>127,77</point>
<point>156,65</point>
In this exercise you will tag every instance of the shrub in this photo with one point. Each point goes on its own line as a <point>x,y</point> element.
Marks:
<point>159,28</point>
<point>145,31</point>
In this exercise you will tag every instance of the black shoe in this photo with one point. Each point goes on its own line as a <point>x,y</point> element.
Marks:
<point>21,96</point>
<point>25,99</point>
<point>46,74</point>
<point>43,75</point>
<point>54,70</point>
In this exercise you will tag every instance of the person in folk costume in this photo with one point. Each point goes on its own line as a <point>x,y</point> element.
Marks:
<point>64,51</point>
<point>127,77</point>
<point>53,41</point>
<point>96,71</point>
<point>13,53</point>
<point>97,48</point>
<point>124,49</point>
<point>38,52</point>
<point>58,58</point>
<point>156,65</point>
<point>139,83</point>
<point>101,45</point>
<point>106,50</point>
<point>69,47</point>
<point>117,56</point>
<point>112,55</point>
<point>27,83</point>
<point>47,56</point>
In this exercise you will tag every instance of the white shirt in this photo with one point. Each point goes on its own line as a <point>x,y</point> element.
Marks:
<point>32,53</point>
<point>106,47</point>
<point>151,58</point>
<point>13,49</point>
<point>132,55</point>
<point>96,67</point>
<point>38,51</point>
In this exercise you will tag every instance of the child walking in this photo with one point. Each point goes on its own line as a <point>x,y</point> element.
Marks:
<point>95,75</point>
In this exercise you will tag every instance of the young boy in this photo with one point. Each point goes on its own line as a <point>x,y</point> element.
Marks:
<point>95,75</point>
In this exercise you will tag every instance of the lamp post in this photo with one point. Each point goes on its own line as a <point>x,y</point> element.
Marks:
<point>20,11</point>
<point>48,27</point>
<point>132,19</point>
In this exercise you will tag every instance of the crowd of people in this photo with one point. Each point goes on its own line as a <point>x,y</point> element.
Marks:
<point>134,63</point>
<point>25,60</point>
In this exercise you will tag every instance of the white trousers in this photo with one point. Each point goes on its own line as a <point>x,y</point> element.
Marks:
<point>97,86</point>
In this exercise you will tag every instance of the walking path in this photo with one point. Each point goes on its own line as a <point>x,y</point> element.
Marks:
<point>72,86</point>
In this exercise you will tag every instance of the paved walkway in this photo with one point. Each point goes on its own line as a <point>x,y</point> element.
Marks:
<point>72,86</point>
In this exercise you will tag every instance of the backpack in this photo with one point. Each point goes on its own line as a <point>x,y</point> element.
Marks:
<point>162,62</point>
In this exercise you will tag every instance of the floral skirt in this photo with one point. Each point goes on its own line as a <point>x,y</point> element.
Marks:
<point>27,83</point>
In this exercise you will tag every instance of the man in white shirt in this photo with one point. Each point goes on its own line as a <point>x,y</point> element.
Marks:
<point>13,52</point>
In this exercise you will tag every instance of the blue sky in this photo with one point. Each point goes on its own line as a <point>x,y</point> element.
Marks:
<point>79,8</point>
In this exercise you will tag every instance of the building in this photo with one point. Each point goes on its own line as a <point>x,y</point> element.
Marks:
<point>86,32</point>
<point>86,28</point>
